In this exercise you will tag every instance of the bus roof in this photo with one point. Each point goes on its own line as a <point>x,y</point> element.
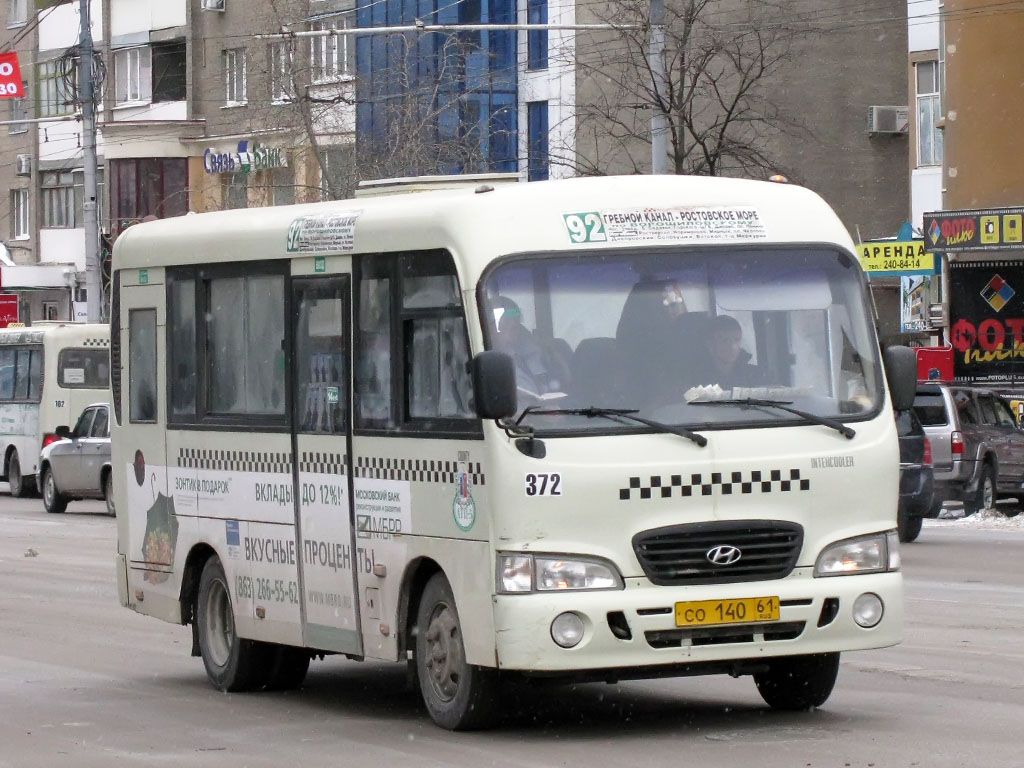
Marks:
<point>65,334</point>
<point>478,225</point>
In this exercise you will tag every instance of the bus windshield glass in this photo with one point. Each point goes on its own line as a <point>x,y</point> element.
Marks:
<point>665,332</point>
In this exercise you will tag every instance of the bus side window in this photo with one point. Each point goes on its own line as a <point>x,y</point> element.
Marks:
<point>7,374</point>
<point>374,407</point>
<point>142,365</point>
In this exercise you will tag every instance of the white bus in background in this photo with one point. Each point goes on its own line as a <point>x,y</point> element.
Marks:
<point>483,431</point>
<point>49,372</point>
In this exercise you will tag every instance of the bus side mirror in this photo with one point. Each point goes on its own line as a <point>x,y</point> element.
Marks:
<point>494,385</point>
<point>63,432</point>
<point>901,372</point>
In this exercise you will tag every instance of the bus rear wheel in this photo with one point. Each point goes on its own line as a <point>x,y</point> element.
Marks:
<point>458,695</point>
<point>21,486</point>
<point>798,682</point>
<point>232,663</point>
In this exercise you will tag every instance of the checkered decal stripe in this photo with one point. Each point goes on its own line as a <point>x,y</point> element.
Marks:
<point>658,486</point>
<point>323,463</point>
<point>96,343</point>
<point>235,461</point>
<point>415,470</point>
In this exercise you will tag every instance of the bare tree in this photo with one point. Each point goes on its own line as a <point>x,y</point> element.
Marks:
<point>721,59</point>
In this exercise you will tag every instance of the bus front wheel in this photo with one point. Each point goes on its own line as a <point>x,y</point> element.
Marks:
<point>458,695</point>
<point>232,663</point>
<point>798,682</point>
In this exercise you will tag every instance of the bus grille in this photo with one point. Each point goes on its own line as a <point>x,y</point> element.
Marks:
<point>743,633</point>
<point>684,554</point>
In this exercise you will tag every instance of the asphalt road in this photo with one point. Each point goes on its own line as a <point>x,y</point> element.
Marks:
<point>84,682</point>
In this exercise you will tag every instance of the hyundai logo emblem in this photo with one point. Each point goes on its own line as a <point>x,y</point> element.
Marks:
<point>723,554</point>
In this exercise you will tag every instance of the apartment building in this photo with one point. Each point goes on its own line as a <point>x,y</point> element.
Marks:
<point>197,111</point>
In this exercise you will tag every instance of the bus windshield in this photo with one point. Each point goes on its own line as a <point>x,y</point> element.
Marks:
<point>663,332</point>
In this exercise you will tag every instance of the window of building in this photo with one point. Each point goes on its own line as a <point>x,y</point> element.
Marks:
<point>55,96</point>
<point>229,328</point>
<point>412,353</point>
<point>329,54</point>
<point>537,39</point>
<point>19,214</point>
<point>537,138</point>
<point>16,111</point>
<point>58,194</point>
<point>281,86</point>
<point>147,186</point>
<point>19,13</point>
<point>133,75</point>
<point>337,176</point>
<point>234,77</point>
<point>51,311</point>
<point>142,405</point>
<point>169,82</point>
<point>83,368</point>
<point>929,135</point>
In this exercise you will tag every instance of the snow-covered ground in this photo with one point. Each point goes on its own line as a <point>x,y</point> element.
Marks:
<point>986,518</point>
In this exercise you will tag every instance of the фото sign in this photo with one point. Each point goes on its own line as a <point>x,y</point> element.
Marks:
<point>896,257</point>
<point>251,157</point>
<point>994,229</point>
<point>986,308</point>
<point>11,86</point>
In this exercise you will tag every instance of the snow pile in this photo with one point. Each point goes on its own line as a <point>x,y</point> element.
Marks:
<point>986,518</point>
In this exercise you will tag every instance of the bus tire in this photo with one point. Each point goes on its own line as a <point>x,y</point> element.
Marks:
<point>458,695</point>
<point>908,526</point>
<point>232,663</point>
<point>20,485</point>
<point>288,668</point>
<point>796,683</point>
<point>54,501</point>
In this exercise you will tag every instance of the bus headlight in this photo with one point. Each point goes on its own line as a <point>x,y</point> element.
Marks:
<point>553,573</point>
<point>877,553</point>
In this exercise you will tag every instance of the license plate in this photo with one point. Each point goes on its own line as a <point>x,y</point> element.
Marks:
<point>699,613</point>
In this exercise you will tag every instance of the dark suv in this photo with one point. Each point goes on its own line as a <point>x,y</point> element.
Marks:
<point>977,445</point>
<point>915,476</point>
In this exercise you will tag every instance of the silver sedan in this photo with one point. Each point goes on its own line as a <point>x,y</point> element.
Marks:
<point>78,465</point>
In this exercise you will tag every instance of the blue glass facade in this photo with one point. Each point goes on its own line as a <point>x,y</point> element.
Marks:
<point>537,141</point>
<point>457,89</point>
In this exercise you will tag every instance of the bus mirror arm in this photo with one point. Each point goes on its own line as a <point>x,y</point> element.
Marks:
<point>494,385</point>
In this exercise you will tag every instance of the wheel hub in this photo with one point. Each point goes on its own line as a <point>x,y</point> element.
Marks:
<point>220,624</point>
<point>444,653</point>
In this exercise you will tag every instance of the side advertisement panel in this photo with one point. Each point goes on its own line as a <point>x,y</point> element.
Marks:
<point>986,308</point>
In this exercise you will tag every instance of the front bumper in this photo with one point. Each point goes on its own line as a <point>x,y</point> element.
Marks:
<point>523,624</point>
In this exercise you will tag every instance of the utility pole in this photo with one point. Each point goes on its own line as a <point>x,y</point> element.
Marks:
<point>659,120</point>
<point>87,100</point>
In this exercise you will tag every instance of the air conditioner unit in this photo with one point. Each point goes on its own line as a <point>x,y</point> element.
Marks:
<point>23,165</point>
<point>213,5</point>
<point>888,119</point>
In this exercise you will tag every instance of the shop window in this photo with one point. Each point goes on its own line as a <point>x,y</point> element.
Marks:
<point>235,190</point>
<point>149,186</point>
<point>282,182</point>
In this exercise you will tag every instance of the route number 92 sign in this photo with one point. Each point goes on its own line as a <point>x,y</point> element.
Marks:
<point>11,86</point>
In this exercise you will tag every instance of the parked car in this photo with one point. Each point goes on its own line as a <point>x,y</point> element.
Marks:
<point>977,446</point>
<point>78,465</point>
<point>916,476</point>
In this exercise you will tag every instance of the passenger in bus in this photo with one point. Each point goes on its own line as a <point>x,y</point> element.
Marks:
<point>729,364</point>
<point>537,371</point>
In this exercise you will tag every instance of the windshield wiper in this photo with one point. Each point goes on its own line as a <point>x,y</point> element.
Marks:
<point>615,414</point>
<point>783,405</point>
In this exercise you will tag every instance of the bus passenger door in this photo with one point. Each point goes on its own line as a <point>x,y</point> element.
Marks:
<point>140,464</point>
<point>320,419</point>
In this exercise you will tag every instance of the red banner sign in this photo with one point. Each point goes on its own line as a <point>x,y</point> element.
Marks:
<point>8,309</point>
<point>11,86</point>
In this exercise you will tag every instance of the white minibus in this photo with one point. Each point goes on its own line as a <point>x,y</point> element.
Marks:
<point>49,372</point>
<point>591,429</point>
